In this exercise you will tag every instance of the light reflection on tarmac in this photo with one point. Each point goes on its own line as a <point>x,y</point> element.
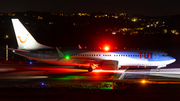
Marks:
<point>66,75</point>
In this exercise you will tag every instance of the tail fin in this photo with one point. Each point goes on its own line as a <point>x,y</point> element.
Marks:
<point>24,39</point>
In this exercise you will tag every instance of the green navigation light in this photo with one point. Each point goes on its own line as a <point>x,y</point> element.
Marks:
<point>67,57</point>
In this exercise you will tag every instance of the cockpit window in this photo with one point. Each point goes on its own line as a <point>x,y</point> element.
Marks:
<point>164,55</point>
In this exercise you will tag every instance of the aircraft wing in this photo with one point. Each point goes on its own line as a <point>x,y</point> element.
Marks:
<point>80,60</point>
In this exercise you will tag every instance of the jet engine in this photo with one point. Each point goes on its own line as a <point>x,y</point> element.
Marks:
<point>109,65</point>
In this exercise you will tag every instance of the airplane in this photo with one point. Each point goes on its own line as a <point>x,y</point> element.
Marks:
<point>107,60</point>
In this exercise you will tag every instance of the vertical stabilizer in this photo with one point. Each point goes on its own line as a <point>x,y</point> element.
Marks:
<point>24,39</point>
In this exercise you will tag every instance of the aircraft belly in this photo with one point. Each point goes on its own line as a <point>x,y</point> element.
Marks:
<point>133,62</point>
<point>158,63</point>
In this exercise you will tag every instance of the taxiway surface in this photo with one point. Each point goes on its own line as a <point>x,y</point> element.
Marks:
<point>67,75</point>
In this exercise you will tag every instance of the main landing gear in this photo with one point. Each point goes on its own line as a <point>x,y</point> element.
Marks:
<point>92,67</point>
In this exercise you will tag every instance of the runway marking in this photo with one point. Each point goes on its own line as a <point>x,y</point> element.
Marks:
<point>110,71</point>
<point>25,77</point>
<point>5,69</point>
<point>122,75</point>
<point>172,73</point>
<point>135,74</point>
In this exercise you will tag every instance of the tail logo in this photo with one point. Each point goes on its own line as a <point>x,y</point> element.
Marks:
<point>22,40</point>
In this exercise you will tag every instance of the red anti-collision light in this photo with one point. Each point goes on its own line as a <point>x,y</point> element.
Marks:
<point>106,48</point>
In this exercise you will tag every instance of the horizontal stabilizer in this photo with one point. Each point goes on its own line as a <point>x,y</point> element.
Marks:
<point>14,50</point>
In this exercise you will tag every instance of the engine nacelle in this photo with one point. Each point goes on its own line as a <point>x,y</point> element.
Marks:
<point>109,65</point>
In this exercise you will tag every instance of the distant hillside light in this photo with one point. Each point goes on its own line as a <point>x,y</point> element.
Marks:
<point>7,36</point>
<point>113,33</point>
<point>176,33</point>
<point>50,23</point>
<point>134,19</point>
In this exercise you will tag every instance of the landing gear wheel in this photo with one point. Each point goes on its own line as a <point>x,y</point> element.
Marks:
<point>158,70</point>
<point>90,69</point>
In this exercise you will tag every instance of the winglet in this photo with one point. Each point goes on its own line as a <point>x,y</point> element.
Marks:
<point>79,46</point>
<point>61,55</point>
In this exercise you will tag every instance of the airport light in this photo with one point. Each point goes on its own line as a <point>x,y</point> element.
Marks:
<point>42,84</point>
<point>30,62</point>
<point>143,81</point>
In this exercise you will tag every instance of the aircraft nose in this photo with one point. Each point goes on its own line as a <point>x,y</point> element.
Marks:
<point>171,59</point>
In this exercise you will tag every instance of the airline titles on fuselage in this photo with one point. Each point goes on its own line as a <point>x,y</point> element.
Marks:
<point>140,55</point>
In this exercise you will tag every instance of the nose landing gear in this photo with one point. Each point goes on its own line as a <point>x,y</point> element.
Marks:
<point>158,70</point>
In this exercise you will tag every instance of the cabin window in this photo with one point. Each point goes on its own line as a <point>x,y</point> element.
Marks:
<point>164,55</point>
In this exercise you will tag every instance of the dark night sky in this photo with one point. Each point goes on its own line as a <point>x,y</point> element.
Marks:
<point>145,7</point>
